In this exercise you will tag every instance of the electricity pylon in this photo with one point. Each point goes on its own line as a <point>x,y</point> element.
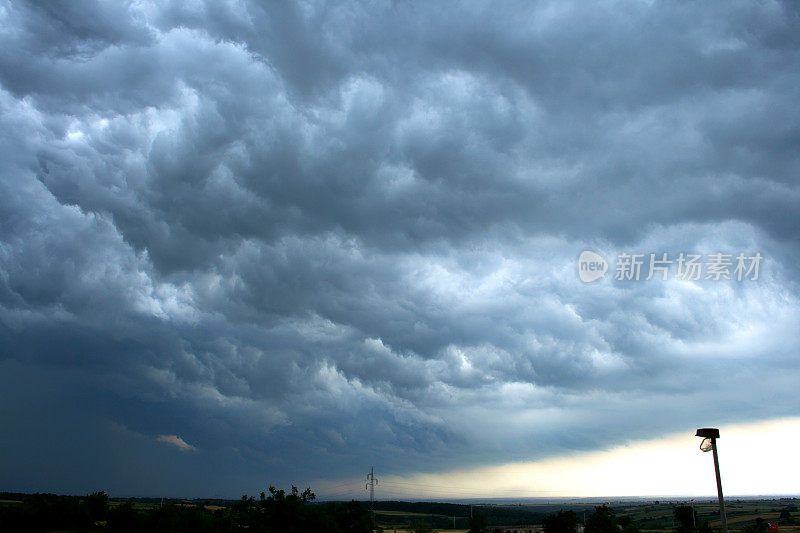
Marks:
<point>371,482</point>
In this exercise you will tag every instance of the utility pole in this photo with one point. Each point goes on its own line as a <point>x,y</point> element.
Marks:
<point>710,436</point>
<point>371,482</point>
<point>719,488</point>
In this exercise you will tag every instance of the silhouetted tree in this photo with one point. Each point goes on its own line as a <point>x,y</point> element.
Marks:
<point>351,517</point>
<point>686,518</point>
<point>97,506</point>
<point>45,512</point>
<point>283,512</point>
<point>759,526</point>
<point>125,519</point>
<point>561,522</point>
<point>601,521</point>
<point>478,522</point>
<point>627,524</point>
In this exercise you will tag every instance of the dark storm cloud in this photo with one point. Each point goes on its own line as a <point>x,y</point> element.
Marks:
<point>305,238</point>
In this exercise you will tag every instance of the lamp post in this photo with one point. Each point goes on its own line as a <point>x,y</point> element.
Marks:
<point>710,436</point>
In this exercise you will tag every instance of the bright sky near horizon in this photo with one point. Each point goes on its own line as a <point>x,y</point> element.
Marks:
<point>755,459</point>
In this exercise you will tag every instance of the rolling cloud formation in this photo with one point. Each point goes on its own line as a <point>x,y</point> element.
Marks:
<point>298,239</point>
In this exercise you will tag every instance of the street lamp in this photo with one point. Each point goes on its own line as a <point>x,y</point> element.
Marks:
<point>710,436</point>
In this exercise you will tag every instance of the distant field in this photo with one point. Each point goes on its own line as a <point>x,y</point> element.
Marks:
<point>649,516</point>
<point>403,513</point>
<point>404,529</point>
<point>135,505</point>
<point>154,505</point>
<point>658,517</point>
<point>395,530</point>
<point>400,520</point>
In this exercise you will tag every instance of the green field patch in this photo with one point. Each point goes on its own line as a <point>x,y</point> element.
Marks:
<point>404,513</point>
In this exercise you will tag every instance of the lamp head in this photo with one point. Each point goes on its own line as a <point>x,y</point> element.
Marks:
<point>708,433</point>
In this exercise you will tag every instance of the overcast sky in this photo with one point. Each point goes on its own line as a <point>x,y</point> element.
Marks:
<point>247,243</point>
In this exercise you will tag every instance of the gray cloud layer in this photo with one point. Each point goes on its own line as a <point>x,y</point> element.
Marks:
<point>307,238</point>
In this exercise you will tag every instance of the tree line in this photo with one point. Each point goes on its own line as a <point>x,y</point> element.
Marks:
<point>278,511</point>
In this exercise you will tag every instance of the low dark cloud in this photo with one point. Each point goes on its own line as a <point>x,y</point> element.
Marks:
<point>298,239</point>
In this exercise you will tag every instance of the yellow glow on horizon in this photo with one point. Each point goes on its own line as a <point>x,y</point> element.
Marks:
<point>755,458</point>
